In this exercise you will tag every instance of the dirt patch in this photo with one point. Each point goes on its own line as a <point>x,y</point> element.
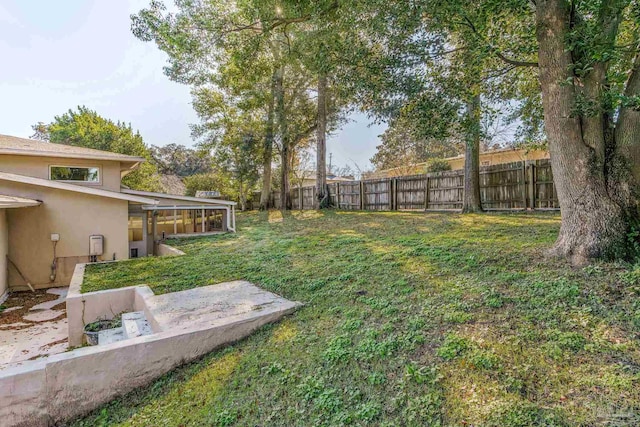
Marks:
<point>25,300</point>
<point>51,344</point>
<point>61,306</point>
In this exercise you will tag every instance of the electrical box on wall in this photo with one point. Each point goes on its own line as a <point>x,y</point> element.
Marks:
<point>96,245</point>
<point>55,237</point>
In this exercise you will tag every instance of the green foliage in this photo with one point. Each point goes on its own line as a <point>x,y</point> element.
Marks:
<point>225,418</point>
<point>252,66</point>
<point>523,414</point>
<point>453,346</point>
<point>631,278</point>
<point>403,145</point>
<point>633,241</point>
<point>85,128</point>
<point>207,182</point>
<point>100,325</point>
<point>174,159</point>
<point>437,165</point>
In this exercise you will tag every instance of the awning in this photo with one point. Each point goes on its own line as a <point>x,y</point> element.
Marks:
<point>7,202</point>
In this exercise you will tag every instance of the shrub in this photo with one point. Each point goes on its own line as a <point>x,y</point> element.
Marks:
<point>437,165</point>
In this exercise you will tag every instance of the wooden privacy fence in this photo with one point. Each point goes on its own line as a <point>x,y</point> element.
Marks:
<point>518,185</point>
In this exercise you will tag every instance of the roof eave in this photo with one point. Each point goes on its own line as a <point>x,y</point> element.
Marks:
<point>180,198</point>
<point>18,152</point>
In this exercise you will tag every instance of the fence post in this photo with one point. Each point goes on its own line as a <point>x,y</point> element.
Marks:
<point>532,185</point>
<point>395,194</point>
<point>300,198</point>
<point>426,193</point>
<point>391,193</point>
<point>361,195</point>
<point>524,186</point>
<point>337,195</point>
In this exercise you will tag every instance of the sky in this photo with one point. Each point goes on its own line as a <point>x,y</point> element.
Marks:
<point>57,55</point>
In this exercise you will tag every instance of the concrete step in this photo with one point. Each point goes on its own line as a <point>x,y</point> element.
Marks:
<point>109,336</point>
<point>135,324</point>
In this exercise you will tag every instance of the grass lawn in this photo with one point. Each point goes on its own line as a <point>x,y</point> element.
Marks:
<point>410,319</point>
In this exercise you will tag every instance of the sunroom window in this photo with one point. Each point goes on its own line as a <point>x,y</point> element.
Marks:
<point>73,173</point>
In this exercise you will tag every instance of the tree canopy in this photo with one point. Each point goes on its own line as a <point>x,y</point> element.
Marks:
<point>85,128</point>
<point>176,159</point>
<point>566,72</point>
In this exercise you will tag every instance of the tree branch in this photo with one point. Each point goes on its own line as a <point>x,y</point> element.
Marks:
<point>513,62</point>
<point>495,50</point>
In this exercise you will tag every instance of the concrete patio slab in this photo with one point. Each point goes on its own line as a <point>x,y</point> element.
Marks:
<point>43,315</point>
<point>211,305</point>
<point>27,334</point>
<point>33,341</point>
<point>48,305</point>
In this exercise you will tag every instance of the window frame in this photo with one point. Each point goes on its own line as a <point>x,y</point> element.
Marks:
<point>73,181</point>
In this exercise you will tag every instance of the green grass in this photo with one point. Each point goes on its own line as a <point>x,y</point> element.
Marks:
<point>410,319</point>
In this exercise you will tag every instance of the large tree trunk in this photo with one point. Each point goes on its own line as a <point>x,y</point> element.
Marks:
<point>471,200</point>
<point>321,145</point>
<point>285,185</point>
<point>265,195</point>
<point>593,224</point>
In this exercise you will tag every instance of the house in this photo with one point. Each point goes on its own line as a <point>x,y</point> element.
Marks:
<point>309,179</point>
<point>61,205</point>
<point>487,158</point>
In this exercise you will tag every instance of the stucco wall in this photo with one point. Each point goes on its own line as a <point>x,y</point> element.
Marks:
<point>38,167</point>
<point>457,163</point>
<point>4,242</point>
<point>75,217</point>
<point>502,157</point>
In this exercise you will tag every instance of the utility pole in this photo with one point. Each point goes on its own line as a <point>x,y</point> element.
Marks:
<point>330,158</point>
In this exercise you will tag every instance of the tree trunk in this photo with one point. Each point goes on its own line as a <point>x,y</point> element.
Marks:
<point>285,140</point>
<point>242,197</point>
<point>321,148</point>
<point>265,195</point>
<point>285,186</point>
<point>471,199</point>
<point>593,224</point>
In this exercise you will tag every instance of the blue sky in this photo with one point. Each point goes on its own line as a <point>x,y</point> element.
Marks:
<point>56,55</point>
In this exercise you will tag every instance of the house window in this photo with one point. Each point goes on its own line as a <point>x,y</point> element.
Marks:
<point>486,163</point>
<point>73,173</point>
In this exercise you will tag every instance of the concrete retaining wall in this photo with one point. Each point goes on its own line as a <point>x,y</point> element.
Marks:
<point>89,307</point>
<point>67,385</point>
<point>64,386</point>
<point>83,309</point>
<point>166,250</point>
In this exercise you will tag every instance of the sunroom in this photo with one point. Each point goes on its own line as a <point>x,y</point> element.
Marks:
<point>175,216</point>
